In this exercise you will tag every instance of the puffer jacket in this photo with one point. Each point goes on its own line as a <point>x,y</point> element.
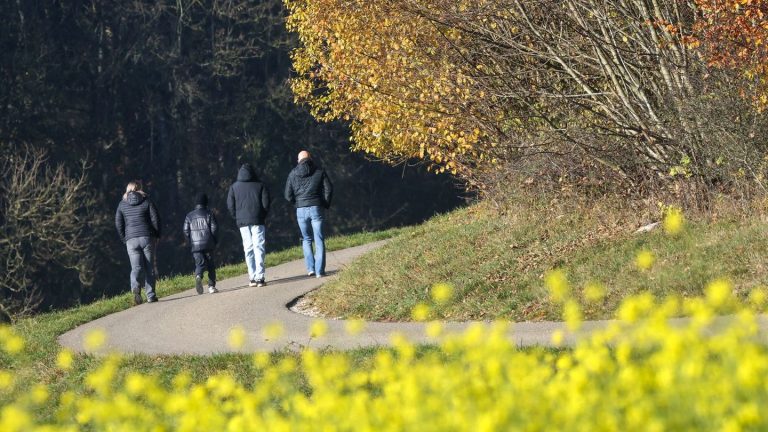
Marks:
<point>137,216</point>
<point>308,186</point>
<point>248,199</point>
<point>200,229</point>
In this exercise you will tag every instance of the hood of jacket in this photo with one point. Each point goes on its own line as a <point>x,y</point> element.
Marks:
<point>247,174</point>
<point>305,169</point>
<point>135,198</point>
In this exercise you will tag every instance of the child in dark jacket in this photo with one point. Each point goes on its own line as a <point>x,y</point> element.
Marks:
<point>200,229</point>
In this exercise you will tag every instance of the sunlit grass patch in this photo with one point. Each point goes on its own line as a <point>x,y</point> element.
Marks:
<point>496,259</point>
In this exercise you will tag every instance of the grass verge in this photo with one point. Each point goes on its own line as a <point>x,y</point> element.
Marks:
<point>496,258</point>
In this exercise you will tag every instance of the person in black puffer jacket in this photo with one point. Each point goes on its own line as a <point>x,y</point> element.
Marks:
<point>310,190</point>
<point>138,225</point>
<point>200,229</point>
<point>248,204</point>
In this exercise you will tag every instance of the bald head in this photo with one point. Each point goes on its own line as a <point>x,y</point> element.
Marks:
<point>304,155</point>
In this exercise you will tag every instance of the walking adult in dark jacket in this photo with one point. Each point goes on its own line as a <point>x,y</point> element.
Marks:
<point>138,225</point>
<point>310,190</point>
<point>200,229</point>
<point>248,204</point>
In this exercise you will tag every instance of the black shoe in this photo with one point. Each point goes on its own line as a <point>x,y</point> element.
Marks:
<point>261,283</point>
<point>199,284</point>
<point>252,283</point>
<point>137,298</point>
<point>152,300</point>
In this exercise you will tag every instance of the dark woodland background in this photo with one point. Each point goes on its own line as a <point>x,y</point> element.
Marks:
<point>178,94</point>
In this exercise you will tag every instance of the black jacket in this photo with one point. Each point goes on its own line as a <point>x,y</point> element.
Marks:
<point>137,216</point>
<point>200,229</point>
<point>248,199</point>
<point>308,186</point>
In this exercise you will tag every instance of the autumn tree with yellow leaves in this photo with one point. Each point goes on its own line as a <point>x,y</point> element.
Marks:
<point>485,87</point>
<point>392,72</point>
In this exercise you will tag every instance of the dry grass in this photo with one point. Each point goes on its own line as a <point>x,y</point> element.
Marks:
<point>495,257</point>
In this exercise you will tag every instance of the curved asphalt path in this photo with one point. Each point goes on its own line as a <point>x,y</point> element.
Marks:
<point>188,323</point>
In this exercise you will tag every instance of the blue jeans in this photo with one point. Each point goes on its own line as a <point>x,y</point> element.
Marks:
<point>311,226</point>
<point>253,246</point>
<point>141,253</point>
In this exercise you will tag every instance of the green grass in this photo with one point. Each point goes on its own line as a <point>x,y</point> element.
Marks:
<point>37,363</point>
<point>495,258</point>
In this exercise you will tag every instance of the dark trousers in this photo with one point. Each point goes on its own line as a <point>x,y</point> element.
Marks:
<point>204,261</point>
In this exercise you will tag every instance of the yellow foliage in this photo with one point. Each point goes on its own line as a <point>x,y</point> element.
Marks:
<point>644,259</point>
<point>318,329</point>
<point>673,221</point>
<point>64,359</point>
<point>441,292</point>
<point>355,326</point>
<point>385,68</point>
<point>94,340</point>
<point>558,285</point>
<point>625,377</point>
<point>236,338</point>
<point>421,312</point>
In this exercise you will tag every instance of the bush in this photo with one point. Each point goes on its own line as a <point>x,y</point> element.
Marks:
<point>42,228</point>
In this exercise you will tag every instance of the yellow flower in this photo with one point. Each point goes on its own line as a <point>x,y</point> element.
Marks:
<point>236,338</point>
<point>318,329</point>
<point>557,284</point>
<point>94,340</point>
<point>594,292</point>
<point>6,380</point>
<point>64,359</point>
<point>273,331</point>
<point>261,360</point>
<point>13,344</point>
<point>14,418</point>
<point>354,326</point>
<point>558,336</point>
<point>434,329</point>
<point>135,384</point>
<point>572,315</point>
<point>758,297</point>
<point>644,259</point>
<point>673,221</point>
<point>182,380</point>
<point>420,312</point>
<point>441,293</point>
<point>719,292</point>
<point>39,394</point>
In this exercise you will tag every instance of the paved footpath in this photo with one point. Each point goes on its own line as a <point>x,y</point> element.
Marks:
<point>188,323</point>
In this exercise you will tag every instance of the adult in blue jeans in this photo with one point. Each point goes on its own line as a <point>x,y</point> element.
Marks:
<point>248,204</point>
<point>310,190</point>
<point>138,225</point>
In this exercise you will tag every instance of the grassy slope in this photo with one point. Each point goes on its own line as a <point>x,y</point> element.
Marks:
<point>40,332</point>
<point>496,259</point>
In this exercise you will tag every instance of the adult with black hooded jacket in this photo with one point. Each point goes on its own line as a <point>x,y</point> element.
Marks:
<point>138,225</point>
<point>248,204</point>
<point>310,190</point>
